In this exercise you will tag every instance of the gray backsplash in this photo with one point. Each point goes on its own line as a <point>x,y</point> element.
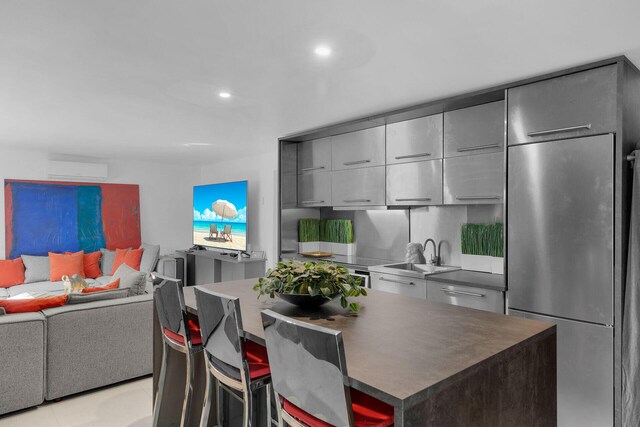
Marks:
<point>382,234</point>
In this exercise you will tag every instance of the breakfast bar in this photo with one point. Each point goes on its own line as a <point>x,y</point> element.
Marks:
<point>436,364</point>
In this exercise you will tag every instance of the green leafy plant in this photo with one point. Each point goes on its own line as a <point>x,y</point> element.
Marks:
<point>308,230</point>
<point>312,278</point>
<point>482,239</point>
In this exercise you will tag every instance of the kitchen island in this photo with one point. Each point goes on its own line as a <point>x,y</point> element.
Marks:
<point>437,364</point>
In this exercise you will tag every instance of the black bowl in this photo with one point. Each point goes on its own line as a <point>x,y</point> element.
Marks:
<point>306,301</point>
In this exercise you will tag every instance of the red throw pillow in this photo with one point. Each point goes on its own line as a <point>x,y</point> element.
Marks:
<point>131,257</point>
<point>63,264</point>
<point>32,304</point>
<point>91,264</point>
<point>112,285</point>
<point>11,272</point>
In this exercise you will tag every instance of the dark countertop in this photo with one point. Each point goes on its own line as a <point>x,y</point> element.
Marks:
<point>354,262</point>
<point>471,278</point>
<point>401,349</point>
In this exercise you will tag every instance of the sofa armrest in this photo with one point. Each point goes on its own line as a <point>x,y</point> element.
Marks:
<point>96,344</point>
<point>22,360</point>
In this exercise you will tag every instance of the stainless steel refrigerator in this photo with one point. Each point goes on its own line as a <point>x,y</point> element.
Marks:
<point>560,263</point>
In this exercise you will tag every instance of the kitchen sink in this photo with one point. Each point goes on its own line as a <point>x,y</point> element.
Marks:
<point>413,270</point>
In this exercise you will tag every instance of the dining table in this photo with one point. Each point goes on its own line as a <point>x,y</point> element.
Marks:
<point>436,364</point>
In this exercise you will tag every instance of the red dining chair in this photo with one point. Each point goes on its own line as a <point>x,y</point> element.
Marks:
<point>310,381</point>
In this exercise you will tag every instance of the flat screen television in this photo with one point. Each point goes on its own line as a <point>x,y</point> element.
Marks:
<point>220,215</point>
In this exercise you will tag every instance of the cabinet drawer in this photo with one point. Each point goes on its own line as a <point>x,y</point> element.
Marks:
<point>415,184</point>
<point>474,130</point>
<point>358,187</point>
<point>359,149</point>
<point>414,140</point>
<point>314,189</point>
<point>410,287</point>
<point>578,104</point>
<point>477,179</point>
<point>314,155</point>
<point>466,296</point>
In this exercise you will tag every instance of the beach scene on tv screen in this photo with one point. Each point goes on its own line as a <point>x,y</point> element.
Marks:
<point>220,215</point>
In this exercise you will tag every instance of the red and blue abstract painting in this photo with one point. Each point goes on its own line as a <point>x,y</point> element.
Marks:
<point>46,216</point>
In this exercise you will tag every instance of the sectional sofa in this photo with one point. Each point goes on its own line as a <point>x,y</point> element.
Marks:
<point>61,351</point>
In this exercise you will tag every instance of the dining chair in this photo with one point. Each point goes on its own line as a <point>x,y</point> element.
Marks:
<point>310,381</point>
<point>178,333</point>
<point>233,363</point>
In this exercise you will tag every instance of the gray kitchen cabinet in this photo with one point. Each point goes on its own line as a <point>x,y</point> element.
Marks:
<point>577,104</point>
<point>477,179</point>
<point>466,296</point>
<point>414,140</point>
<point>314,155</point>
<point>358,187</point>
<point>415,184</point>
<point>363,148</point>
<point>314,189</point>
<point>402,285</point>
<point>474,130</point>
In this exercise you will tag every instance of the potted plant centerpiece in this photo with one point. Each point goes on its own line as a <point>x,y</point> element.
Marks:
<point>311,284</point>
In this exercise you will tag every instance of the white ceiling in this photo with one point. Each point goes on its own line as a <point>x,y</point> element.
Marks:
<point>139,78</point>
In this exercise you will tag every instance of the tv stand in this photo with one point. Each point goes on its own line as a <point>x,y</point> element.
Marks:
<point>212,267</point>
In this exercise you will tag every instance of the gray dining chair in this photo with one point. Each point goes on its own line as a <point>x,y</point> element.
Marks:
<point>309,377</point>
<point>233,363</point>
<point>178,333</point>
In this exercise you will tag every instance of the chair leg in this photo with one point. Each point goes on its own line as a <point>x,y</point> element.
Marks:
<point>268,397</point>
<point>247,419</point>
<point>188,390</point>
<point>219,404</point>
<point>209,395</point>
<point>161,381</point>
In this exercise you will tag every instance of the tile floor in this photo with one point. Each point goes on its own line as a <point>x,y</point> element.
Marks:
<point>124,405</point>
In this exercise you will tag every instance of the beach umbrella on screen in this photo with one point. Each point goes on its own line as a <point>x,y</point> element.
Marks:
<point>225,209</point>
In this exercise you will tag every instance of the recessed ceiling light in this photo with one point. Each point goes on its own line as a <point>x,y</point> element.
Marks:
<point>322,51</point>
<point>224,95</point>
<point>196,144</point>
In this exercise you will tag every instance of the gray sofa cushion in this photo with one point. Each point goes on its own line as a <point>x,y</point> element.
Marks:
<point>150,255</point>
<point>44,286</point>
<point>135,280</point>
<point>36,268</point>
<point>23,361</point>
<point>97,296</point>
<point>2,312</point>
<point>4,293</point>
<point>106,261</point>
<point>103,280</point>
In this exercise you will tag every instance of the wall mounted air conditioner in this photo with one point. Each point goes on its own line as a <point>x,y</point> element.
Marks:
<point>76,171</point>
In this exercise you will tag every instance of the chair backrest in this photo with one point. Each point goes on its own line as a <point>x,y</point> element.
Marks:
<point>227,229</point>
<point>213,228</point>
<point>170,306</point>
<point>308,367</point>
<point>221,330</point>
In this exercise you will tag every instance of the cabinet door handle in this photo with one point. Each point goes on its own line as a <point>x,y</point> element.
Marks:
<point>357,200</point>
<point>559,130</point>
<point>411,156</point>
<point>311,202</point>
<point>402,282</point>
<point>477,147</point>
<point>356,162</point>
<point>490,197</point>
<point>419,199</point>
<point>312,169</point>
<point>469,294</point>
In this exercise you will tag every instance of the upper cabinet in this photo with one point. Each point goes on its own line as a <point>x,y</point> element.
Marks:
<point>358,187</point>
<point>314,155</point>
<point>415,183</point>
<point>474,130</point>
<point>363,148</point>
<point>314,189</point>
<point>414,140</point>
<point>473,180</point>
<point>578,104</point>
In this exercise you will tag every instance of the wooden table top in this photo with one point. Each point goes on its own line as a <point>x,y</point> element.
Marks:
<point>398,349</point>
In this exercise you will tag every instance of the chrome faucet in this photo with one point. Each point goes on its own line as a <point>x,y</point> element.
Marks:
<point>435,257</point>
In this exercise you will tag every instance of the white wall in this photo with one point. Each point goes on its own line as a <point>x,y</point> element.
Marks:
<point>165,193</point>
<point>261,172</point>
